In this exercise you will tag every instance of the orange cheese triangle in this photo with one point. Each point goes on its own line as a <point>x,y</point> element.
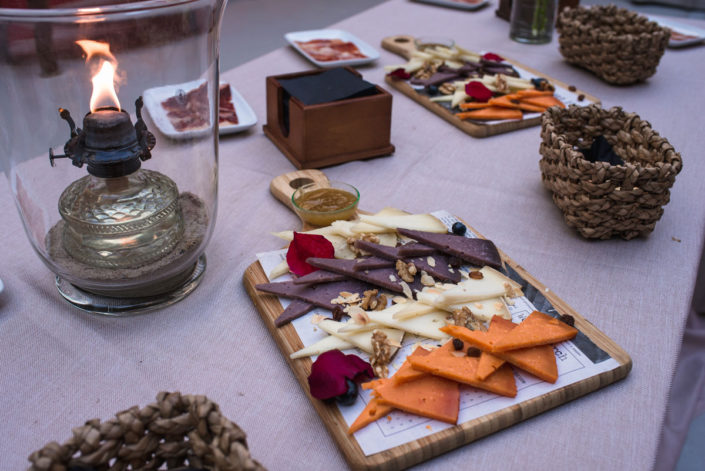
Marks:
<point>373,411</point>
<point>475,338</point>
<point>406,372</point>
<point>543,101</point>
<point>487,365</point>
<point>537,329</point>
<point>428,396</point>
<point>540,361</point>
<point>456,365</point>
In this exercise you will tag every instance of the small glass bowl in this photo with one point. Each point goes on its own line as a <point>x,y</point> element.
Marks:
<point>425,42</point>
<point>325,218</point>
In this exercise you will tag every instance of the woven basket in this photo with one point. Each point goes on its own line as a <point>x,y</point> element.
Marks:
<point>598,199</point>
<point>617,45</point>
<point>173,431</point>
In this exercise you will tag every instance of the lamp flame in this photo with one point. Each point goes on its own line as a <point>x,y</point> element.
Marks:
<point>104,80</point>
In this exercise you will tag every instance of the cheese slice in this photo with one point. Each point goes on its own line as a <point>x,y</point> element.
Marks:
<point>362,340</point>
<point>354,327</point>
<point>492,285</point>
<point>426,325</point>
<point>419,222</point>
<point>485,309</point>
<point>322,346</point>
<point>412,309</point>
<point>279,270</point>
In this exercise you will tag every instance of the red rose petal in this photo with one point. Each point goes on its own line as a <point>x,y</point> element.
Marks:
<point>304,246</point>
<point>478,91</point>
<point>331,369</point>
<point>399,74</point>
<point>490,56</point>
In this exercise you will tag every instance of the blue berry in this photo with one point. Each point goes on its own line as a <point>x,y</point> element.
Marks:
<point>432,90</point>
<point>459,228</point>
<point>350,395</point>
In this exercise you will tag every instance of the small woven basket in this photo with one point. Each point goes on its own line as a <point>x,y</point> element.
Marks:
<point>602,200</point>
<point>618,45</point>
<point>173,431</point>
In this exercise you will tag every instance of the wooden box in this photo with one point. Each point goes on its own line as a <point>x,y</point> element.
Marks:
<point>328,133</point>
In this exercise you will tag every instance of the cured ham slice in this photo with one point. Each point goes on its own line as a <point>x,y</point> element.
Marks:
<point>189,110</point>
<point>326,50</point>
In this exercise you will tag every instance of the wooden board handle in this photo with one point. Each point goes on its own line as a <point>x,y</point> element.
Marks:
<point>284,186</point>
<point>401,44</point>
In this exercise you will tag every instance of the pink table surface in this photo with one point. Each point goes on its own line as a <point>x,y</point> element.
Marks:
<point>59,367</point>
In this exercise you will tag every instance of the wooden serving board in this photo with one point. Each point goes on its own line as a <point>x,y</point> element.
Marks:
<point>440,442</point>
<point>403,45</point>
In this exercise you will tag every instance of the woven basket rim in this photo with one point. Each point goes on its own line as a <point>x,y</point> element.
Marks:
<point>570,17</point>
<point>574,155</point>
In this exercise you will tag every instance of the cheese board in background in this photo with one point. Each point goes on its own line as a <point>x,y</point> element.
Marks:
<point>405,46</point>
<point>436,440</point>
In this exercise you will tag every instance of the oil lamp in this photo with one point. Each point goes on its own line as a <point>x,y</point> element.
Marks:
<point>127,232</point>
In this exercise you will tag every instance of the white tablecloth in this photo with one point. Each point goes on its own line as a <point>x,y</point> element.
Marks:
<point>59,367</point>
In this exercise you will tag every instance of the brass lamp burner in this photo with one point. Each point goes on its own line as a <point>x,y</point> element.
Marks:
<point>117,216</point>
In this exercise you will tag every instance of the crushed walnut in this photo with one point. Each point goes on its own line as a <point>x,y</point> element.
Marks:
<point>431,261</point>
<point>501,84</point>
<point>366,236</point>
<point>406,271</point>
<point>465,318</point>
<point>427,280</point>
<point>381,353</point>
<point>447,89</point>
<point>372,301</point>
<point>346,298</point>
<point>428,70</point>
<point>399,300</point>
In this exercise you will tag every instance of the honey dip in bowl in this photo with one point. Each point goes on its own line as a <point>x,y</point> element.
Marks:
<point>319,204</point>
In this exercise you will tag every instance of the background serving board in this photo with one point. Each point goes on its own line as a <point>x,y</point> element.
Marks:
<point>403,45</point>
<point>425,448</point>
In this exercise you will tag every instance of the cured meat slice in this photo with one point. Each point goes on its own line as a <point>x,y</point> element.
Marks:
<point>226,108</point>
<point>188,110</point>
<point>326,50</point>
<point>319,295</point>
<point>474,251</point>
<point>386,278</point>
<point>294,310</point>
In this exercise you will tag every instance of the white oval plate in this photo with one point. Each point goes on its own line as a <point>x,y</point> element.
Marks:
<point>459,4</point>
<point>154,97</point>
<point>303,36</point>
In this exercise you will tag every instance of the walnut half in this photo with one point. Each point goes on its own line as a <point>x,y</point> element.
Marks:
<point>406,271</point>
<point>381,353</point>
<point>371,301</point>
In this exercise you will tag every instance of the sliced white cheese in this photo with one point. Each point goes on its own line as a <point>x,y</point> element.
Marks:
<point>325,344</point>
<point>425,325</point>
<point>279,270</point>
<point>419,222</point>
<point>412,309</point>
<point>354,327</point>
<point>362,340</point>
<point>492,285</point>
<point>485,309</point>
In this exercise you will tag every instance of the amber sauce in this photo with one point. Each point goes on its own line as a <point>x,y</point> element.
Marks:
<point>328,204</point>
